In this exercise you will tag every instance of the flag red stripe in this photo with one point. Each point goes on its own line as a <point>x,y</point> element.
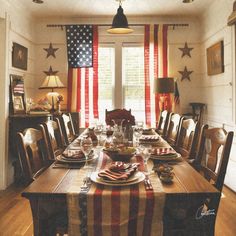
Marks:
<point>133,210</point>
<point>78,104</point>
<point>149,213</point>
<point>97,202</point>
<point>86,97</point>
<point>115,213</point>
<point>147,74</point>
<point>156,66</point>
<point>165,62</point>
<point>95,71</point>
<point>69,88</point>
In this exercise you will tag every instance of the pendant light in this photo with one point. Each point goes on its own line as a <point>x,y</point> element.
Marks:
<point>120,23</point>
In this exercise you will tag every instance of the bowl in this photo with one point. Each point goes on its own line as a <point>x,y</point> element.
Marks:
<point>123,154</point>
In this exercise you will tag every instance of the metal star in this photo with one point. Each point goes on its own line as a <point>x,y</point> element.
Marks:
<point>186,50</point>
<point>51,51</point>
<point>50,71</point>
<point>185,74</point>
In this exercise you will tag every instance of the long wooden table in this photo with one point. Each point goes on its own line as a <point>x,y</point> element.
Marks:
<point>183,211</point>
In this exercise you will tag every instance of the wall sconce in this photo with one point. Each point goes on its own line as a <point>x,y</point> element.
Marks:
<point>52,82</point>
<point>164,86</point>
<point>120,22</point>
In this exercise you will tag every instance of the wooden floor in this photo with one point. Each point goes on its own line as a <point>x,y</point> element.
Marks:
<point>15,214</point>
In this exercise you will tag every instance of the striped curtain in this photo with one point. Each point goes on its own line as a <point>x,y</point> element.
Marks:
<point>155,66</point>
<point>82,88</point>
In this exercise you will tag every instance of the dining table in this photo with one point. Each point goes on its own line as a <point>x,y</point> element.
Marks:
<point>65,193</point>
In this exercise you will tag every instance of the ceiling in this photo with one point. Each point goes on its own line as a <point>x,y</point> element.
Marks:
<point>92,8</point>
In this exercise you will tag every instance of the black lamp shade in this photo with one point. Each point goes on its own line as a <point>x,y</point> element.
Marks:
<point>120,23</point>
<point>164,85</point>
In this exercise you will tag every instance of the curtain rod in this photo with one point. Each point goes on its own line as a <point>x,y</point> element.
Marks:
<point>63,25</point>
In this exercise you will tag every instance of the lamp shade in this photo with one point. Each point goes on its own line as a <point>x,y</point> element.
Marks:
<point>164,85</point>
<point>51,82</point>
<point>120,23</point>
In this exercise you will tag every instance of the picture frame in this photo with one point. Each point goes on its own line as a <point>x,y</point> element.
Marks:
<point>18,104</point>
<point>17,92</point>
<point>19,56</point>
<point>215,59</point>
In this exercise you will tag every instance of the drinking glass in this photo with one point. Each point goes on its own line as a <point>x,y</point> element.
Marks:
<point>137,133</point>
<point>86,146</point>
<point>146,153</point>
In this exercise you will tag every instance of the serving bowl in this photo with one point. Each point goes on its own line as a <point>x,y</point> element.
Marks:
<point>123,154</point>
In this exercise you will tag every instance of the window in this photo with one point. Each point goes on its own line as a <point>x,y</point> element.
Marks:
<point>106,79</point>
<point>129,75</point>
<point>133,80</point>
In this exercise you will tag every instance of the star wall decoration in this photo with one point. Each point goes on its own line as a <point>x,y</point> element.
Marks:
<point>50,71</point>
<point>186,50</point>
<point>51,51</point>
<point>185,74</point>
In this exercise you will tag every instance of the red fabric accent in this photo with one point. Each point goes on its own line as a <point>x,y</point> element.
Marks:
<point>165,49</point>
<point>156,74</point>
<point>168,102</point>
<point>95,71</point>
<point>115,213</point>
<point>78,104</point>
<point>97,202</point>
<point>147,74</point>
<point>133,210</point>
<point>86,97</point>
<point>149,210</point>
<point>69,88</point>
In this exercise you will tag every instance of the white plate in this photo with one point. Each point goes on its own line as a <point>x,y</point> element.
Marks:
<point>166,157</point>
<point>63,159</point>
<point>135,179</point>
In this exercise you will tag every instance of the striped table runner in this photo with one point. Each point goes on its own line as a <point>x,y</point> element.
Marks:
<point>115,211</point>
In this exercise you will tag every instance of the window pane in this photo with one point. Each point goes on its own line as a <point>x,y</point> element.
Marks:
<point>106,78</point>
<point>133,84</point>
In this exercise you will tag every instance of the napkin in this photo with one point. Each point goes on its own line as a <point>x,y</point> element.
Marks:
<point>118,171</point>
<point>73,154</point>
<point>164,152</point>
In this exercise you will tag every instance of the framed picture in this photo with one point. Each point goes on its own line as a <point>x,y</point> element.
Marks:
<point>18,104</point>
<point>17,98</point>
<point>215,59</point>
<point>19,56</point>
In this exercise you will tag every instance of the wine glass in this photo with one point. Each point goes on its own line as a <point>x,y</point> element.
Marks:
<point>86,146</point>
<point>146,153</point>
<point>137,133</point>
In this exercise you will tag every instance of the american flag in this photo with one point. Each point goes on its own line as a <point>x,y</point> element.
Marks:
<point>19,87</point>
<point>177,100</point>
<point>79,45</point>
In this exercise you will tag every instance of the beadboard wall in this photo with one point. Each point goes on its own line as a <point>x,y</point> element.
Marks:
<point>218,91</point>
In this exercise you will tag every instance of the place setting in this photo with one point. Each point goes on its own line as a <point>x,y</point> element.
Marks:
<point>118,174</point>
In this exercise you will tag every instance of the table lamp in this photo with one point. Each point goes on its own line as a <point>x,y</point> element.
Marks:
<point>52,82</point>
<point>164,86</point>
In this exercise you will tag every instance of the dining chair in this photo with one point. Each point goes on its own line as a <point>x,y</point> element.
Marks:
<point>67,128</point>
<point>164,120</point>
<point>213,155</point>
<point>119,116</point>
<point>53,135</point>
<point>187,141</point>
<point>33,154</point>
<point>174,129</point>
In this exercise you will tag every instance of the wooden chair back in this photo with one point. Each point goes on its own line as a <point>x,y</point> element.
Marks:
<point>53,135</point>
<point>163,123</point>
<point>174,129</point>
<point>213,155</point>
<point>67,128</point>
<point>33,153</point>
<point>187,140</point>
<point>118,115</point>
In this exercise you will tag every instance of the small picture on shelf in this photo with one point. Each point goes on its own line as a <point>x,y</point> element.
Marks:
<point>18,104</point>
